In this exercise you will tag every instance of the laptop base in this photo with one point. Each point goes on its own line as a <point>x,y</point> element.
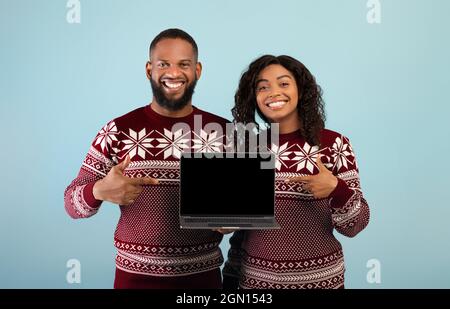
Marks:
<point>229,223</point>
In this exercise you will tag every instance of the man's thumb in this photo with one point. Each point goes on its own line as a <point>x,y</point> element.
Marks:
<point>124,164</point>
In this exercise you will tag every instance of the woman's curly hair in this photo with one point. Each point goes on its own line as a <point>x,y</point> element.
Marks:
<point>310,105</point>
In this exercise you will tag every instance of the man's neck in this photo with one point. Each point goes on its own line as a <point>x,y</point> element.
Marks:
<point>185,111</point>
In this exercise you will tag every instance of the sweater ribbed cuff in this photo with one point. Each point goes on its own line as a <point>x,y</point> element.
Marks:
<point>341,194</point>
<point>88,195</point>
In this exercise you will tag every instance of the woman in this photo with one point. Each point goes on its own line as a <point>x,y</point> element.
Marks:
<point>317,184</point>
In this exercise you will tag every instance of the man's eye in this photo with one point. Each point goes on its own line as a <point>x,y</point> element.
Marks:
<point>185,65</point>
<point>163,65</point>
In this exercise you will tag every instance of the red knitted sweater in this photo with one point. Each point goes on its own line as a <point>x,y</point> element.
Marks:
<point>148,237</point>
<point>304,253</point>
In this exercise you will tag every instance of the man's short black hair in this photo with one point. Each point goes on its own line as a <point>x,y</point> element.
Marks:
<point>174,33</point>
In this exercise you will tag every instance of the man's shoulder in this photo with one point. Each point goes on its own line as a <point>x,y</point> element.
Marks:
<point>131,117</point>
<point>138,112</point>
<point>210,117</point>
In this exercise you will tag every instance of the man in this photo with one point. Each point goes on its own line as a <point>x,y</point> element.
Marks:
<point>134,162</point>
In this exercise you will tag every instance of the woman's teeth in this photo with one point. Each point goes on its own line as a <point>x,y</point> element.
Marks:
<point>276,105</point>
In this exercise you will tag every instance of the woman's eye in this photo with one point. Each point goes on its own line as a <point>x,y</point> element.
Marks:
<point>284,84</point>
<point>262,88</point>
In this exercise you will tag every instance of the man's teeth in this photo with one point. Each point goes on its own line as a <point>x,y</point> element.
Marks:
<point>276,104</point>
<point>173,85</point>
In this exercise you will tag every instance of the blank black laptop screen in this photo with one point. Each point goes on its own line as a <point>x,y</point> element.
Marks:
<point>226,187</point>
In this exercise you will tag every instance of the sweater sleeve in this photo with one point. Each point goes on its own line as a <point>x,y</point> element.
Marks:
<point>79,200</point>
<point>232,269</point>
<point>349,209</point>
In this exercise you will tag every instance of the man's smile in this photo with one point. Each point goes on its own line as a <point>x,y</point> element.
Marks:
<point>172,85</point>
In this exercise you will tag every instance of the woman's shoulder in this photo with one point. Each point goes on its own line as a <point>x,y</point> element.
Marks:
<point>329,138</point>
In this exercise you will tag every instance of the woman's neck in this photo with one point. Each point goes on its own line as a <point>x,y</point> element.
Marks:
<point>289,126</point>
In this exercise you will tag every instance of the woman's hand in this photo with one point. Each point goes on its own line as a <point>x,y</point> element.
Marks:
<point>320,185</point>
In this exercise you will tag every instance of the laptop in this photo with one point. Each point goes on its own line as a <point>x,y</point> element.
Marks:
<point>227,190</point>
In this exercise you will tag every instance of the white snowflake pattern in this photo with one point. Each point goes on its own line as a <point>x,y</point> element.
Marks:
<point>207,142</point>
<point>281,154</point>
<point>106,135</point>
<point>137,143</point>
<point>341,152</point>
<point>173,143</point>
<point>306,158</point>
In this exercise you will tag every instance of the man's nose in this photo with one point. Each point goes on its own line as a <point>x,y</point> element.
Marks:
<point>173,72</point>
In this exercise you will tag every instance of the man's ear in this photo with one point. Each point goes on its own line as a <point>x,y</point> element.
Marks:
<point>198,70</point>
<point>148,69</point>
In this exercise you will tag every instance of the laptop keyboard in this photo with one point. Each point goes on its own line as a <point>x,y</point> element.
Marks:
<point>229,220</point>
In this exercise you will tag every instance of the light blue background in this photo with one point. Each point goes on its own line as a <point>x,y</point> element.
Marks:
<point>386,88</point>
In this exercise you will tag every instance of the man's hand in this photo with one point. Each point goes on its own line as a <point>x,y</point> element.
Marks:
<point>119,189</point>
<point>320,185</point>
<point>224,231</point>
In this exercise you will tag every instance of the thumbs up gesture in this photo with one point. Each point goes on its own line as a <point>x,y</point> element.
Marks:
<point>320,185</point>
<point>119,189</point>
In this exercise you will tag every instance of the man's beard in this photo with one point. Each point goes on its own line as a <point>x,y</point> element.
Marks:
<point>172,104</point>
